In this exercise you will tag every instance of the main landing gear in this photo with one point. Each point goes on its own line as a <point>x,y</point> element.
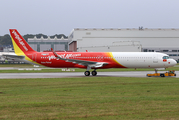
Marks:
<point>87,73</point>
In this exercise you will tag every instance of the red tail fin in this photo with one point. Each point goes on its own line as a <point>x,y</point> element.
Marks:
<point>20,45</point>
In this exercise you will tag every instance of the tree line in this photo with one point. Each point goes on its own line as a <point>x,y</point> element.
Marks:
<point>6,39</point>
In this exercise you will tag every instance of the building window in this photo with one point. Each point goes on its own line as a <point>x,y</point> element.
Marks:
<point>165,50</point>
<point>151,50</point>
<point>173,55</point>
<point>174,50</point>
<point>88,33</point>
<point>145,50</point>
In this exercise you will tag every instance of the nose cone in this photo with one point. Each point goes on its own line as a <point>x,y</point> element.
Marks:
<point>173,62</point>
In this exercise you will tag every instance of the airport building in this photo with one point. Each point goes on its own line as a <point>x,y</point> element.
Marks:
<point>113,40</point>
<point>45,44</point>
<point>126,40</point>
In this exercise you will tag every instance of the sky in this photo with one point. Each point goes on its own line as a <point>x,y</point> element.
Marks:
<point>52,17</point>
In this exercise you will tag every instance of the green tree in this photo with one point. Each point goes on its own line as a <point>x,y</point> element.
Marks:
<point>6,39</point>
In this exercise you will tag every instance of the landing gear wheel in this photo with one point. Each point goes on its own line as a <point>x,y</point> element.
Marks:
<point>94,73</point>
<point>87,73</point>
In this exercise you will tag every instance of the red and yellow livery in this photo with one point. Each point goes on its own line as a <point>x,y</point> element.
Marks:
<point>87,60</point>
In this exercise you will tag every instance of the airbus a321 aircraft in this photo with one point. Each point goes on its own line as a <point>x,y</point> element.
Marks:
<point>87,60</point>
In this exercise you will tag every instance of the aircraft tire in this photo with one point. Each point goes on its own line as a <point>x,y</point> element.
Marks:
<point>94,73</point>
<point>87,73</point>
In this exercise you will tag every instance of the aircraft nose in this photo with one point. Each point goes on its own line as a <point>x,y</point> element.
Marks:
<point>174,62</point>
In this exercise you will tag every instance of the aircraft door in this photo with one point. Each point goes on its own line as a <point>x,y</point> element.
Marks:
<point>155,58</point>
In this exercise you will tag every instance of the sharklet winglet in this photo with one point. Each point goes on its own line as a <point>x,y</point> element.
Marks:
<point>56,55</point>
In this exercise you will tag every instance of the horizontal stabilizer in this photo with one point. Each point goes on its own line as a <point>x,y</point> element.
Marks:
<point>12,56</point>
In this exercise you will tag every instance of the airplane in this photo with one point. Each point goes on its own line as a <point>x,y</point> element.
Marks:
<point>87,60</point>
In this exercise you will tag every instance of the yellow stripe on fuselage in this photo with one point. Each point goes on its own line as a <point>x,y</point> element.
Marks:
<point>110,53</point>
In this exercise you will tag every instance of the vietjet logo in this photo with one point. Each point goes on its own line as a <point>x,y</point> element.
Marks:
<point>67,56</point>
<point>19,40</point>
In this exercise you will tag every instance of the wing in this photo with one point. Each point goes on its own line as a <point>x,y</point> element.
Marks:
<point>81,62</point>
<point>13,56</point>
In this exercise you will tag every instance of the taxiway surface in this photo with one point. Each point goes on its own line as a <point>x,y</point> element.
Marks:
<point>76,74</point>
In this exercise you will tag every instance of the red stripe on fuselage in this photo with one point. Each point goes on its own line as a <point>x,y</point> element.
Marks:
<point>48,59</point>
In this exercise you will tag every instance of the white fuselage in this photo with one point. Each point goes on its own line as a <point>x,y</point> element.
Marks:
<point>143,59</point>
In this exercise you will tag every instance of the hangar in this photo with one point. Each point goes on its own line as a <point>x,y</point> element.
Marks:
<point>113,40</point>
<point>44,44</point>
<point>107,40</point>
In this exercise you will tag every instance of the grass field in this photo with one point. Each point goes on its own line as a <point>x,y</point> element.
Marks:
<point>90,98</point>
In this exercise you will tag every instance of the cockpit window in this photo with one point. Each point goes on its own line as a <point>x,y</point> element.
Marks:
<point>165,57</point>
